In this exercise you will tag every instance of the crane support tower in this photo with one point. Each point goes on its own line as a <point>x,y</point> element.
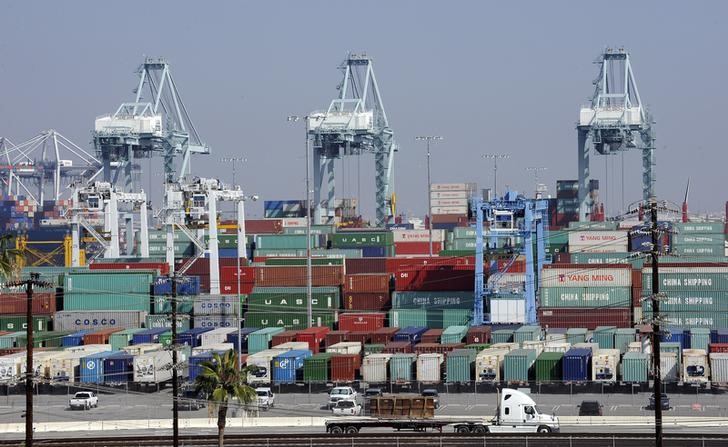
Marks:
<point>614,121</point>
<point>355,123</point>
<point>97,198</point>
<point>509,218</point>
<point>46,163</point>
<point>157,122</point>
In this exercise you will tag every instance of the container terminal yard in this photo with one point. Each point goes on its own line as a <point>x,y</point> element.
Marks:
<point>604,324</point>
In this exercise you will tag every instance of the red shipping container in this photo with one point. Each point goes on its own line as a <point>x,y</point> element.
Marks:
<point>636,296</point>
<point>367,301</point>
<point>367,283</point>
<point>384,335</point>
<point>283,337</point>
<point>228,275</point>
<point>355,266</point>
<point>162,267</point>
<point>232,288</point>
<point>432,336</point>
<point>718,347</point>
<point>44,303</point>
<point>263,226</point>
<point>584,317</point>
<point>314,336</point>
<point>201,266</point>
<point>637,278</point>
<point>394,347</point>
<point>417,248</point>
<point>478,334</point>
<point>518,266</point>
<point>334,337</point>
<point>362,337</point>
<point>431,278</point>
<point>295,276</point>
<point>100,337</point>
<point>395,265</point>
<point>447,218</point>
<point>361,321</point>
<point>562,258</point>
<point>343,367</point>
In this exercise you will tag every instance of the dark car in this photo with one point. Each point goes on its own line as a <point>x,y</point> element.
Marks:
<point>372,392</point>
<point>664,402</point>
<point>191,400</point>
<point>590,408</point>
<point>431,392</point>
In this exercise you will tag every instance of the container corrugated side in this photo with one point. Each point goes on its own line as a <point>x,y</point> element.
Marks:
<point>586,275</point>
<point>78,320</point>
<point>289,321</point>
<point>375,368</point>
<point>605,363</point>
<point>454,334</point>
<point>577,364</point>
<point>460,365</point>
<point>121,290</point>
<point>401,367</point>
<point>408,317</point>
<point>502,336</point>
<point>548,366</point>
<point>586,296</point>
<point>285,298</point>
<point>260,340</point>
<point>604,336</point>
<point>527,333</point>
<point>316,367</point>
<point>719,367</point>
<point>123,338</point>
<point>517,365</point>
<point>669,367</point>
<point>429,367</point>
<point>634,367</point>
<point>432,300</point>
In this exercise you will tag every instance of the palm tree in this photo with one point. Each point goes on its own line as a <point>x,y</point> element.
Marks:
<point>8,257</point>
<point>222,379</point>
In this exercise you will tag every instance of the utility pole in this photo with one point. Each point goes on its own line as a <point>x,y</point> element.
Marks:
<point>495,158</point>
<point>175,384</point>
<point>429,138</point>
<point>28,284</point>
<point>657,388</point>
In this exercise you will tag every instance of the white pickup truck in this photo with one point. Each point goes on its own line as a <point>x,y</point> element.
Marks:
<point>84,400</point>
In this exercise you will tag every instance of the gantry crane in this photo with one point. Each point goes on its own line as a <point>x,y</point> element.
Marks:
<point>614,121</point>
<point>355,123</point>
<point>157,122</point>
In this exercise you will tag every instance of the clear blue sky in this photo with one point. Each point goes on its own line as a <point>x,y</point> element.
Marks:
<point>488,76</point>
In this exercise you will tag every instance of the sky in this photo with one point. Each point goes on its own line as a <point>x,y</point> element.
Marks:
<point>490,77</point>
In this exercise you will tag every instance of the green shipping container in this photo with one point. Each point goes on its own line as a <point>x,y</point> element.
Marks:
<point>527,333</point>
<point>118,340</point>
<point>445,318</point>
<point>163,305</point>
<point>373,348</point>
<point>604,336</point>
<point>408,317</point>
<point>460,365</point>
<point>517,365</point>
<point>576,335</point>
<point>689,281</point>
<point>315,229</point>
<point>260,339</point>
<point>53,275</point>
<point>699,338</point>
<point>337,252</point>
<point>290,320</point>
<point>159,321</point>
<point>361,239</point>
<point>502,336</point>
<point>634,367</point>
<point>464,233</point>
<point>289,253</point>
<point>165,339</point>
<point>586,296</point>
<point>607,258</point>
<point>401,367</point>
<point>602,226</point>
<point>284,242</point>
<point>623,337</point>
<point>181,249</point>
<point>285,299</point>
<point>123,290</point>
<point>432,300</point>
<point>549,366</point>
<point>699,228</point>
<point>454,334</point>
<point>316,367</point>
<point>558,238</point>
<point>698,239</point>
<point>161,236</point>
<point>302,261</point>
<point>699,250</point>
<point>10,340</point>
<point>14,323</point>
<point>44,339</point>
<point>691,302</point>
<point>710,320</point>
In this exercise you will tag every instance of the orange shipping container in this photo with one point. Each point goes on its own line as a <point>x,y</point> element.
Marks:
<point>295,276</point>
<point>100,337</point>
<point>367,283</point>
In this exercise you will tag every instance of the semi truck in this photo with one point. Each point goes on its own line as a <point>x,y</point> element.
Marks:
<point>516,413</point>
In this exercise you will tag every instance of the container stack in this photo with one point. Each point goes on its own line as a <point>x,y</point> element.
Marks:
<point>450,204</point>
<point>699,239</point>
<point>417,242</point>
<point>373,244</point>
<point>567,202</point>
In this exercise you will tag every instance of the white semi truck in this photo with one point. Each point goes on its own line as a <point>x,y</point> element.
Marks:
<point>517,413</point>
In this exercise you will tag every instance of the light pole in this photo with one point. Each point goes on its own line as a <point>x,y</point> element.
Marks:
<point>536,171</point>
<point>241,205</point>
<point>495,158</point>
<point>309,309</point>
<point>427,139</point>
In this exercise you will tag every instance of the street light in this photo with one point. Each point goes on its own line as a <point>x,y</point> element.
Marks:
<point>495,158</point>
<point>428,138</point>
<point>309,309</point>
<point>536,171</point>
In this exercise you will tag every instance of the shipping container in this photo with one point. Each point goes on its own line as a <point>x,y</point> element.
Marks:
<point>362,337</point>
<point>65,367</point>
<point>549,366</point>
<point>15,323</point>
<point>356,266</point>
<point>634,367</point>
<point>507,310</point>
<point>288,366</point>
<point>584,317</point>
<point>283,337</point>
<point>410,334</point>
<point>577,365</point>
<point>432,300</point>
<point>194,365</point>
<point>283,299</point>
<point>148,336</point>
<point>345,347</point>
<point>367,283</point>
<point>394,347</point>
<point>384,334</point>
<point>623,337</point>
<point>517,365</point>
<point>598,241</point>
<point>527,333</point>
<point>216,321</point>
<point>710,320</point>
<point>429,367</point>
<point>454,334</point>
<point>100,290</point>
<point>669,367</point>
<point>719,336</point>
<point>74,338</point>
<point>402,367</point>
<point>334,337</point>
<point>699,338</point>
<point>432,336</point>
<point>369,322</point>
<point>291,346</point>
<point>119,369</point>
<point>295,276</point>
<point>604,336</point>
<point>290,320</point>
<point>437,348</point>
<point>92,367</point>
<point>44,303</point>
<point>375,368</point>
<point>373,348</point>
<point>216,336</point>
<point>436,278</point>
<point>586,296</point>
<point>162,286</point>
<point>263,371</point>
<point>577,335</point>
<point>9,339</point>
<point>367,301</point>
<point>684,228</point>
<point>555,346</point>
<point>356,239</point>
<point>718,367</point>
<point>688,278</point>
<point>409,317</point>
<point>586,275</point>
<point>344,367</point>
<point>216,305</point>
<point>502,336</point>
<point>192,337</point>
<point>460,365</point>
<point>718,347</point>
<point>122,338</point>
<point>314,336</point>
<point>696,367</point>
<point>478,334</point>
<point>99,337</point>
<point>78,320</point>
<point>184,322</point>
<point>316,368</point>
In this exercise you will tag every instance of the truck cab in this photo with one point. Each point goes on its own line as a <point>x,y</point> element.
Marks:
<point>517,412</point>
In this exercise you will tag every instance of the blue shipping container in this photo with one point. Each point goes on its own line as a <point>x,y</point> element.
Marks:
<point>119,369</point>
<point>163,286</point>
<point>444,226</point>
<point>193,337</point>
<point>91,367</point>
<point>194,365</point>
<point>373,252</point>
<point>289,365</point>
<point>677,335</point>
<point>576,365</point>
<point>719,336</point>
<point>75,339</point>
<point>244,332</point>
<point>412,334</point>
<point>148,336</point>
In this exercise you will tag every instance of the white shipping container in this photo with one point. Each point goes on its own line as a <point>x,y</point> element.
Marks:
<point>613,248</point>
<point>586,277</point>
<point>262,360</point>
<point>291,346</point>
<point>10,366</point>
<point>418,235</point>
<point>453,187</point>
<point>669,367</point>
<point>216,321</point>
<point>374,368</point>
<point>213,347</point>
<point>508,311</point>
<point>459,210</point>
<point>604,365</point>
<point>216,305</point>
<point>438,195</point>
<point>555,346</point>
<point>508,281</point>
<point>345,347</point>
<point>294,222</point>
<point>429,367</point>
<point>537,346</point>
<point>719,367</point>
<point>488,364</point>
<point>142,348</point>
<point>153,367</point>
<point>448,202</point>
<point>507,346</point>
<point>98,319</point>
<point>597,238</point>
<point>215,336</point>
<point>696,368</point>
